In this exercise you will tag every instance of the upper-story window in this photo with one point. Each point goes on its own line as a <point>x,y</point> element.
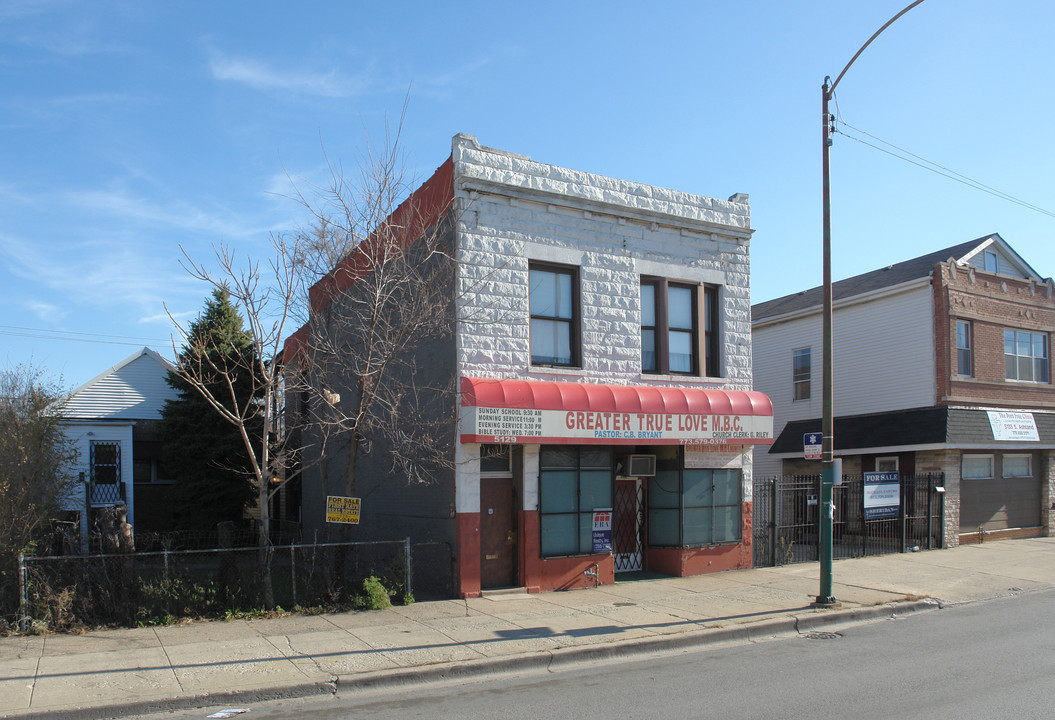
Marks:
<point>963,348</point>
<point>1026,355</point>
<point>801,372</point>
<point>105,462</point>
<point>990,261</point>
<point>554,301</point>
<point>670,328</point>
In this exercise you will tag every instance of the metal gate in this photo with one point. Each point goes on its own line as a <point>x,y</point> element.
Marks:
<point>787,523</point>
<point>628,526</point>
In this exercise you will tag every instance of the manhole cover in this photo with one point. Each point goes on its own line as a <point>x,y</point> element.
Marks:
<point>822,636</point>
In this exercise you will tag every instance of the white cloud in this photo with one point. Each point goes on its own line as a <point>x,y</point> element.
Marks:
<point>329,84</point>
<point>177,215</point>
<point>43,311</point>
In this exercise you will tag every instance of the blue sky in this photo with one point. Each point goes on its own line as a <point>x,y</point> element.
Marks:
<point>128,129</point>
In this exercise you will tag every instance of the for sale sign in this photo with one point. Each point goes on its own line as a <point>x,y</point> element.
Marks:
<point>882,495</point>
<point>342,509</point>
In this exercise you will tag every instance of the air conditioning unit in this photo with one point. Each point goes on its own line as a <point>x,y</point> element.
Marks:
<point>639,466</point>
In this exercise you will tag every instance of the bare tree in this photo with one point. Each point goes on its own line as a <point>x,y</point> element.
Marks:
<point>380,307</point>
<point>372,279</point>
<point>266,296</point>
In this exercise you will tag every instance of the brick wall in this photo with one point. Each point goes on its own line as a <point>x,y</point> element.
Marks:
<point>991,303</point>
<point>1047,492</point>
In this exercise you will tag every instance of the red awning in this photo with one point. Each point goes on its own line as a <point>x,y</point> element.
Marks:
<point>532,411</point>
<point>589,397</point>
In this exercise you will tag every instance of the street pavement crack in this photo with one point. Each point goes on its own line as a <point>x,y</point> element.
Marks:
<point>36,673</point>
<point>168,660</point>
<point>294,652</point>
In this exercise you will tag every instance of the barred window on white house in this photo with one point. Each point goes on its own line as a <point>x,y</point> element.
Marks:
<point>106,462</point>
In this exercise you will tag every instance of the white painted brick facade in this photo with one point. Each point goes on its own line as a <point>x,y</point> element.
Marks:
<point>513,210</point>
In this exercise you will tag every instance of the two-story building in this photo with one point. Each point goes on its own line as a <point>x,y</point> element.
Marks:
<point>601,348</point>
<point>941,365</point>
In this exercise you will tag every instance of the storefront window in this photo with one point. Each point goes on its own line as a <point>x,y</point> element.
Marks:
<point>1017,466</point>
<point>573,482</point>
<point>689,507</point>
<point>976,467</point>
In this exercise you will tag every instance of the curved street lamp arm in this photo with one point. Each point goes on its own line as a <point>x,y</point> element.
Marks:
<point>877,32</point>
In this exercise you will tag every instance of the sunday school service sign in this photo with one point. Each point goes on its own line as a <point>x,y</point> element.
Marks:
<point>528,425</point>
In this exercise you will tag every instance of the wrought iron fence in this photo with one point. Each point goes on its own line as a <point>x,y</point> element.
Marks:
<point>786,519</point>
<point>62,592</point>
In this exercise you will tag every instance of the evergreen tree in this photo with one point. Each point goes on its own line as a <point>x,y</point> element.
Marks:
<point>204,453</point>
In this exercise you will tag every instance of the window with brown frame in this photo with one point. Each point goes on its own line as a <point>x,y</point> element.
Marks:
<point>554,307</point>
<point>671,319</point>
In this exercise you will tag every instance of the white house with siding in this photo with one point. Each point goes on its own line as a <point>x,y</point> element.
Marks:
<point>111,419</point>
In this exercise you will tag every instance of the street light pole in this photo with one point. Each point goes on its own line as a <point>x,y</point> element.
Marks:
<point>830,467</point>
<point>827,506</point>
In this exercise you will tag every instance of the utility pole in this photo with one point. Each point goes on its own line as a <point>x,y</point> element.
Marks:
<point>831,468</point>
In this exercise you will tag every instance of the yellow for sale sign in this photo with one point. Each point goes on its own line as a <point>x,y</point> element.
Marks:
<point>342,509</point>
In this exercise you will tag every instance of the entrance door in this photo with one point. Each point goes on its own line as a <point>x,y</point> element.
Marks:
<point>628,524</point>
<point>498,537</point>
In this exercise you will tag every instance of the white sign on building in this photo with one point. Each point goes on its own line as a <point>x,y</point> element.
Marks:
<point>1013,426</point>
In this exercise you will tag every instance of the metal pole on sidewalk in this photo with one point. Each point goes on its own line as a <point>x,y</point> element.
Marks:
<point>23,597</point>
<point>825,598</point>
<point>409,591</point>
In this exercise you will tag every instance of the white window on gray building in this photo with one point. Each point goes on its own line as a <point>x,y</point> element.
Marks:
<point>976,467</point>
<point>990,260</point>
<point>1015,466</point>
<point>801,372</point>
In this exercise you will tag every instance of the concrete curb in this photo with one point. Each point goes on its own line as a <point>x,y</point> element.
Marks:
<point>793,625</point>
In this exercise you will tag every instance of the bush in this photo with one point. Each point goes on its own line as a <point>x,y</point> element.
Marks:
<point>373,596</point>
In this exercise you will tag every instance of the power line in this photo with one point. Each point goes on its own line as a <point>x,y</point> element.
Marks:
<point>937,169</point>
<point>74,332</point>
<point>74,336</point>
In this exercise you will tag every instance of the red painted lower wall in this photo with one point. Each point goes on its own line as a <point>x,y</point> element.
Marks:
<point>538,574</point>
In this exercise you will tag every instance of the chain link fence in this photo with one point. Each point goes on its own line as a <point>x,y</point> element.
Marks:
<point>65,592</point>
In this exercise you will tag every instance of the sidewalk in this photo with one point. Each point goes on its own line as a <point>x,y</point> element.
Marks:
<point>214,664</point>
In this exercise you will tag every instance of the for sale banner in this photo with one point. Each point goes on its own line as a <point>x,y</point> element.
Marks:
<point>882,495</point>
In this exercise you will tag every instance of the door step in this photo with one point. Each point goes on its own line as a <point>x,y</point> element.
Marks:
<point>499,592</point>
